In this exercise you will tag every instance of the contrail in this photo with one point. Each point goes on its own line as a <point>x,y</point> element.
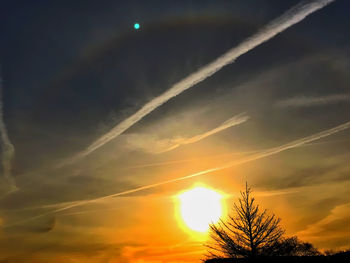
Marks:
<point>253,157</point>
<point>155,164</point>
<point>154,145</point>
<point>189,160</point>
<point>7,148</point>
<point>289,18</point>
<point>236,120</point>
<point>313,101</point>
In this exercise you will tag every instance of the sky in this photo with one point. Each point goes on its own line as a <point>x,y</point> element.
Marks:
<point>95,149</point>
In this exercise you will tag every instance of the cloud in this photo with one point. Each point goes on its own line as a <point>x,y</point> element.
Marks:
<point>7,148</point>
<point>42,225</point>
<point>250,158</point>
<point>286,20</point>
<point>302,177</point>
<point>152,144</point>
<point>82,249</point>
<point>313,101</point>
<point>335,226</point>
<point>278,192</point>
<point>155,253</point>
<point>209,157</point>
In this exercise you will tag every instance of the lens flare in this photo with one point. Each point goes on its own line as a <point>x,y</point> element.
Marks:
<point>136,26</point>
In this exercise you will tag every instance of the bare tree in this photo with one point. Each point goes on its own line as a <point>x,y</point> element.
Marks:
<point>249,233</point>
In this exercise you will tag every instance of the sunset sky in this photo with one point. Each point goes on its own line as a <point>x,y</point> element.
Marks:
<point>107,136</point>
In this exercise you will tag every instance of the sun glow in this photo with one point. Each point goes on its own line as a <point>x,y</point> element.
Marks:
<point>200,207</point>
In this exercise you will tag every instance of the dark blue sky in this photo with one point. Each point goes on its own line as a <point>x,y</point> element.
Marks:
<point>64,60</point>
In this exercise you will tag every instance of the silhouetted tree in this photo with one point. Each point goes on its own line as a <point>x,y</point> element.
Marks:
<point>248,233</point>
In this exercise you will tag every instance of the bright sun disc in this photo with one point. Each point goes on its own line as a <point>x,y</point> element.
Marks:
<point>199,207</point>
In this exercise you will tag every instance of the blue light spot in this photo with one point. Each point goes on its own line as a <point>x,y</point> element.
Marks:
<point>136,26</point>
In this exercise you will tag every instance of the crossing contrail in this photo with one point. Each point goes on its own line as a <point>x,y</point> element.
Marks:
<point>155,145</point>
<point>7,148</point>
<point>250,158</point>
<point>276,26</point>
<point>236,120</point>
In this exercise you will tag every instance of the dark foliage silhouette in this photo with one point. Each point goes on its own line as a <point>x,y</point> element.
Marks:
<point>327,257</point>
<point>250,233</point>
<point>292,246</point>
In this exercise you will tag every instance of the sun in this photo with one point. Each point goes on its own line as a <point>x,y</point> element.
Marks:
<point>199,207</point>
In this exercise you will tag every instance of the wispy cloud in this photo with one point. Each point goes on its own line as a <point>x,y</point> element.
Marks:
<point>303,101</point>
<point>329,227</point>
<point>278,192</point>
<point>152,144</point>
<point>7,148</point>
<point>286,20</point>
<point>191,159</point>
<point>250,158</point>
